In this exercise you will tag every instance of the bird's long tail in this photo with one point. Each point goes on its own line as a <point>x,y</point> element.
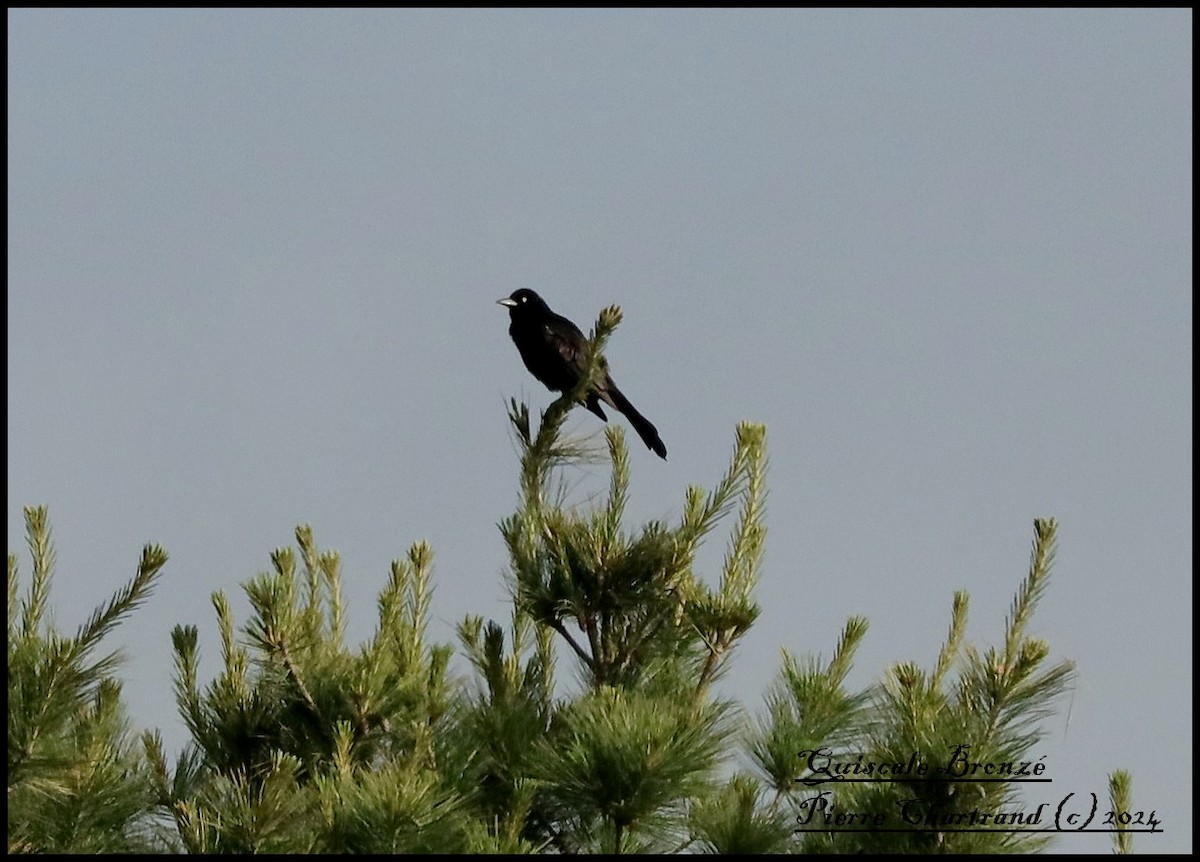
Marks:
<point>643,426</point>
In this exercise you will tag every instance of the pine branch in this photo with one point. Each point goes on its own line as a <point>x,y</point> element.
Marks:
<point>588,660</point>
<point>618,491</point>
<point>1041,558</point>
<point>37,536</point>
<point>545,451</point>
<point>13,583</point>
<point>124,601</point>
<point>958,627</point>
<point>744,556</point>
<point>298,679</point>
<point>1120,794</point>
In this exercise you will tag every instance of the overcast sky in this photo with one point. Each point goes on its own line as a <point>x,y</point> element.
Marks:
<point>945,257</point>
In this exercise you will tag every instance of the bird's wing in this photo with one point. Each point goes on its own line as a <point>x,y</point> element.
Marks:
<point>568,341</point>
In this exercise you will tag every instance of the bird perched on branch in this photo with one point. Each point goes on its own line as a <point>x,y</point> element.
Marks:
<point>555,352</point>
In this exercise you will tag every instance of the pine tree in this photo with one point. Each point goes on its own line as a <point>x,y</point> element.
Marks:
<point>973,707</point>
<point>616,766</point>
<point>76,781</point>
<point>303,744</point>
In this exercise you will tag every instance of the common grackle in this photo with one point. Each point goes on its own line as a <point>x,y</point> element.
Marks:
<point>554,351</point>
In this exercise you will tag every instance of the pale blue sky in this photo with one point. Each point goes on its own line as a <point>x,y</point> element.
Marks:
<point>946,257</point>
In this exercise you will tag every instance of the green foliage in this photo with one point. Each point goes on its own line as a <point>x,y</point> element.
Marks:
<point>987,714</point>
<point>617,767</point>
<point>305,744</point>
<point>75,781</point>
<point>808,708</point>
<point>1120,792</point>
<point>302,744</point>
<point>625,603</point>
<point>500,723</point>
<point>623,760</point>
<point>736,820</point>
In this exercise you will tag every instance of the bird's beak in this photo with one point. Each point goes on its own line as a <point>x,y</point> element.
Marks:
<point>507,301</point>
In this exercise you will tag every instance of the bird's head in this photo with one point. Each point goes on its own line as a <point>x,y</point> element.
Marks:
<point>522,301</point>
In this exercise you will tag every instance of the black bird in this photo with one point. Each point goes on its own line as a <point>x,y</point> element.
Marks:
<point>555,351</point>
